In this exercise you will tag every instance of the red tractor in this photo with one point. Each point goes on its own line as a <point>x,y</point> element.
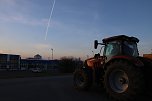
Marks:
<point>122,72</point>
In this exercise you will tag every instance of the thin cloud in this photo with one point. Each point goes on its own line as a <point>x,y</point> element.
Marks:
<point>22,20</point>
<point>16,11</point>
<point>1,51</point>
<point>42,46</point>
<point>8,2</point>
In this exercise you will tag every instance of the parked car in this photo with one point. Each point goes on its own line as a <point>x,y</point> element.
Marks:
<point>36,70</point>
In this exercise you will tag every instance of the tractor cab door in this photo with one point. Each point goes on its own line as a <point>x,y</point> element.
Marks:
<point>111,49</point>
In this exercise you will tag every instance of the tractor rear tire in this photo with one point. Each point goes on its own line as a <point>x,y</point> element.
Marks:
<point>82,79</point>
<point>123,81</point>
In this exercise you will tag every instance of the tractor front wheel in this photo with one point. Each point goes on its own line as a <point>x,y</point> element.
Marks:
<point>82,79</point>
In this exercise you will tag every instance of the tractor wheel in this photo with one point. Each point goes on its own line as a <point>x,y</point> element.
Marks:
<point>123,81</point>
<point>82,79</point>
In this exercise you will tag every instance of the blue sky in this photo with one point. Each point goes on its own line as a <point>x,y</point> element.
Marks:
<point>74,26</point>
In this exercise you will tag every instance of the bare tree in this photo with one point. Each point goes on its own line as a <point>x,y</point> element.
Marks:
<point>68,64</point>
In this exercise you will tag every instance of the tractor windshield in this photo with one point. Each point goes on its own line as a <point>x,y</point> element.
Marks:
<point>112,49</point>
<point>130,48</point>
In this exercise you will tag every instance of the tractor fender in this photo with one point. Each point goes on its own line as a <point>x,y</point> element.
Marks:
<point>134,61</point>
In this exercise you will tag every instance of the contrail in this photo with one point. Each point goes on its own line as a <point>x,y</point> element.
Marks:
<point>49,20</point>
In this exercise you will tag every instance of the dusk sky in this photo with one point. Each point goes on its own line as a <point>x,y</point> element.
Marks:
<point>74,26</point>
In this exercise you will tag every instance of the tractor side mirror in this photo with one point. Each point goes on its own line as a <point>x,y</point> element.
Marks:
<point>95,44</point>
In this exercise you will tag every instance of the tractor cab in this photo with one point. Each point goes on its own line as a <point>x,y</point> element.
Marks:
<point>119,46</point>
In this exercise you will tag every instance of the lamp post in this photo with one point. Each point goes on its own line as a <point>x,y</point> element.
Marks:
<point>52,53</point>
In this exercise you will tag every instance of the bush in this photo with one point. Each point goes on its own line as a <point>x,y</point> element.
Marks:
<point>68,64</point>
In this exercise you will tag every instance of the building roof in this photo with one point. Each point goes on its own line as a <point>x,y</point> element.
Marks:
<point>9,54</point>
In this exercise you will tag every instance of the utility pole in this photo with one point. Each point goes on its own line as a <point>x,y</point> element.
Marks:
<point>52,53</point>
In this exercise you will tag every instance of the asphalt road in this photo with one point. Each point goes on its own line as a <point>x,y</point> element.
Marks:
<point>58,88</point>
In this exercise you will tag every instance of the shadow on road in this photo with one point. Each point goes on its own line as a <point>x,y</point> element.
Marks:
<point>99,91</point>
<point>57,88</point>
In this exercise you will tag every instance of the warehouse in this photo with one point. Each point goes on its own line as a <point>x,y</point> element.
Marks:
<point>42,65</point>
<point>9,62</point>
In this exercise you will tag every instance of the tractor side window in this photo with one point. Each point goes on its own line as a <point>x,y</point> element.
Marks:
<point>108,49</point>
<point>130,48</point>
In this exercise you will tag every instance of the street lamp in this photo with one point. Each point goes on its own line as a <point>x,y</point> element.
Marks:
<point>52,53</point>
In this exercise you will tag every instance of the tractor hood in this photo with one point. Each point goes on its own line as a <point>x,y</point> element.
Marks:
<point>93,62</point>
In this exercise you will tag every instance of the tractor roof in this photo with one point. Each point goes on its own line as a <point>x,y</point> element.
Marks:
<point>120,38</point>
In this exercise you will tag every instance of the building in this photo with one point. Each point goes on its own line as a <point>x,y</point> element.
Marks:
<point>9,62</point>
<point>38,57</point>
<point>44,65</point>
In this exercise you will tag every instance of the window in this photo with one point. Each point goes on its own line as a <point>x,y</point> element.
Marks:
<point>112,49</point>
<point>130,48</point>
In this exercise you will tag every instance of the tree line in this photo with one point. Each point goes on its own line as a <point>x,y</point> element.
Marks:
<point>69,64</point>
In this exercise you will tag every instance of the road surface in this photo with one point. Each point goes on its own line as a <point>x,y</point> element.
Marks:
<point>58,88</point>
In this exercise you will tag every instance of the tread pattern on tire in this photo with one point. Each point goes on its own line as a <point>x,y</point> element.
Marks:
<point>136,81</point>
<point>87,79</point>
